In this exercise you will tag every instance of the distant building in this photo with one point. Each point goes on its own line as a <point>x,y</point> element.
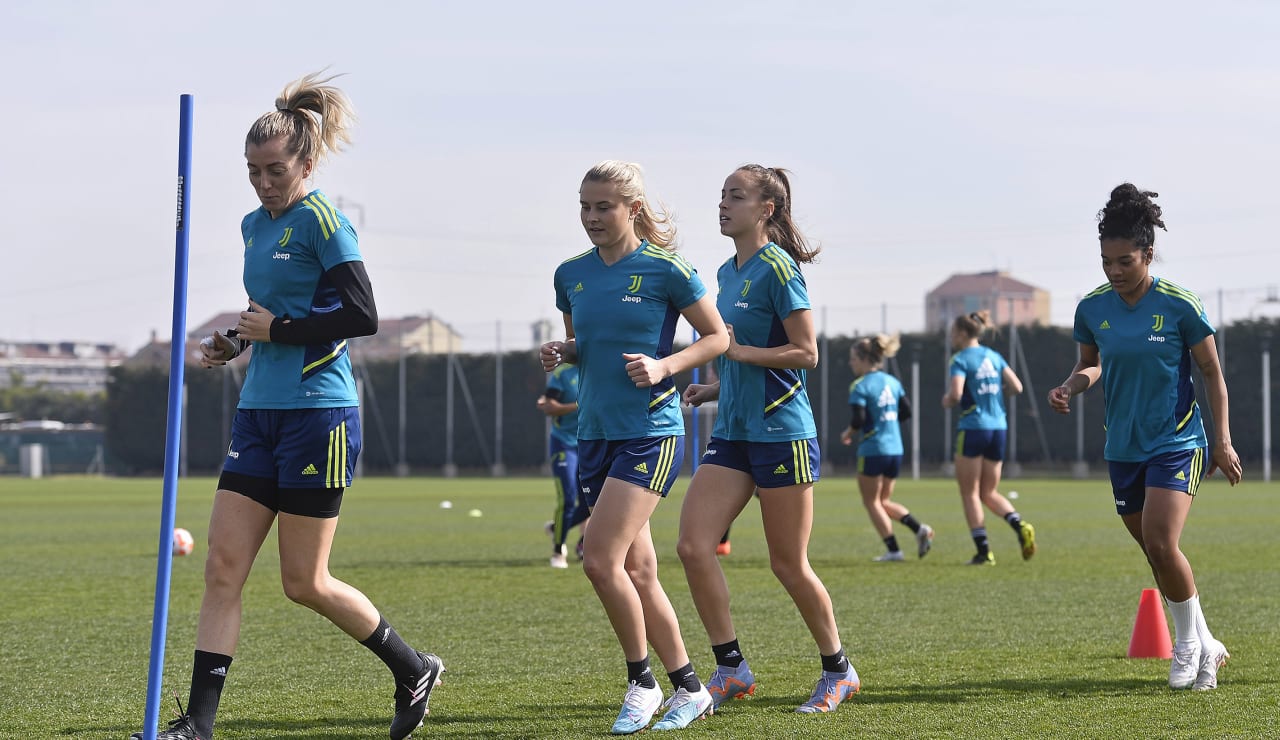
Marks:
<point>416,335</point>
<point>61,366</point>
<point>1004,296</point>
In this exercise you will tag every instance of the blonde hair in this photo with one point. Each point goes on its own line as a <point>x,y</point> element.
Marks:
<point>975,324</point>
<point>652,225</point>
<point>315,119</point>
<point>877,349</point>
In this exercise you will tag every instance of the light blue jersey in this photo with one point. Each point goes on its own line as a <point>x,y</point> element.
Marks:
<point>631,306</point>
<point>761,404</point>
<point>285,260</point>
<point>878,392</point>
<point>1146,368</point>
<point>982,401</point>
<point>564,429</point>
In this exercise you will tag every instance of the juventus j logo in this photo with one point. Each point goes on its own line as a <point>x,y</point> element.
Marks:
<point>635,283</point>
<point>746,285</point>
<point>1159,321</point>
<point>288,232</point>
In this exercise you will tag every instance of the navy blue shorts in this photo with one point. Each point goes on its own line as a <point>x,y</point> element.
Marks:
<point>770,464</point>
<point>887,465</point>
<point>1175,471</point>
<point>648,462</point>
<point>987,443</point>
<point>295,448</point>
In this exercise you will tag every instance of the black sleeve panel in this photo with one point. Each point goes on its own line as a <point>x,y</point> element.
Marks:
<point>904,409</point>
<point>358,316</point>
<point>858,416</point>
<point>553,394</point>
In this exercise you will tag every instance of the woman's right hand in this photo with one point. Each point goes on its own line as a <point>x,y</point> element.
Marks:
<point>1060,399</point>
<point>551,354</point>
<point>697,394</point>
<point>217,350</point>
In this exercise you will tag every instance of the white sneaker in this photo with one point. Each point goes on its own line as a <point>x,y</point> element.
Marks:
<point>924,540</point>
<point>1185,666</point>
<point>1213,656</point>
<point>560,560</point>
<point>638,708</point>
<point>890,557</point>
<point>683,708</point>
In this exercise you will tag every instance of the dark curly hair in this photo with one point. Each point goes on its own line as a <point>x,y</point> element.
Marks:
<point>1131,214</point>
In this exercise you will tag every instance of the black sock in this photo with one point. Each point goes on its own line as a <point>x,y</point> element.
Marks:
<point>980,539</point>
<point>911,522</point>
<point>725,538</point>
<point>728,654</point>
<point>835,663</point>
<point>387,644</point>
<point>684,678</point>
<point>1014,520</point>
<point>208,674</point>
<point>891,542</point>
<point>638,673</point>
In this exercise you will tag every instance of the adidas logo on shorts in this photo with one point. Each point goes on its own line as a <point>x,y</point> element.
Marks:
<point>310,470</point>
<point>780,470</point>
<point>642,468</point>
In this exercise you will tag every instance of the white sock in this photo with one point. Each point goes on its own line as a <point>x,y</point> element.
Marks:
<point>1184,623</point>
<point>1202,629</point>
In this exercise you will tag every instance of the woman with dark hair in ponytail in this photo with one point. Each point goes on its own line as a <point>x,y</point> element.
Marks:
<point>764,437</point>
<point>979,380</point>
<point>1149,331</point>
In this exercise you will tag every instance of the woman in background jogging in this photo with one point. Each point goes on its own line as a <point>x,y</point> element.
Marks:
<point>980,379</point>
<point>1140,334</point>
<point>560,404</point>
<point>296,433</point>
<point>877,405</point>
<point>621,300</point>
<point>764,436</point>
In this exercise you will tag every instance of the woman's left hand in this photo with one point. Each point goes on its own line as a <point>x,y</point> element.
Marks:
<point>1226,460</point>
<point>644,371</point>
<point>255,324</point>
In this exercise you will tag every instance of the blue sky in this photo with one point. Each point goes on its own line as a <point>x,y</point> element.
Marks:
<point>926,138</point>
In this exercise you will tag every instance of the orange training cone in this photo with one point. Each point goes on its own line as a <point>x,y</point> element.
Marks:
<point>1150,630</point>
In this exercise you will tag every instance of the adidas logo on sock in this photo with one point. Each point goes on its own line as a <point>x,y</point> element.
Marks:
<point>780,470</point>
<point>310,470</point>
<point>219,671</point>
<point>642,468</point>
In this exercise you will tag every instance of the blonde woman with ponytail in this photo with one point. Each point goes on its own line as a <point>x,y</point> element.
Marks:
<point>621,300</point>
<point>296,433</point>
<point>979,380</point>
<point>877,405</point>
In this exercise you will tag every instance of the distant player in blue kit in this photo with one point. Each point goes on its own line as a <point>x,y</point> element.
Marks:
<point>877,406</point>
<point>560,402</point>
<point>621,300</point>
<point>979,381</point>
<point>764,436</point>
<point>296,434</point>
<point>1140,333</point>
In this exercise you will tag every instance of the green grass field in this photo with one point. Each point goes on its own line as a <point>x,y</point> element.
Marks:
<point>1033,649</point>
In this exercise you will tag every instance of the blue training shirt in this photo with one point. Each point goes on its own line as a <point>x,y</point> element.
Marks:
<point>878,392</point>
<point>631,306</point>
<point>982,401</point>
<point>285,260</point>
<point>761,404</point>
<point>1146,368</point>
<point>564,429</point>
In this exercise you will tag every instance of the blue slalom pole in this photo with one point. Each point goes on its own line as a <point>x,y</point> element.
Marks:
<point>173,427</point>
